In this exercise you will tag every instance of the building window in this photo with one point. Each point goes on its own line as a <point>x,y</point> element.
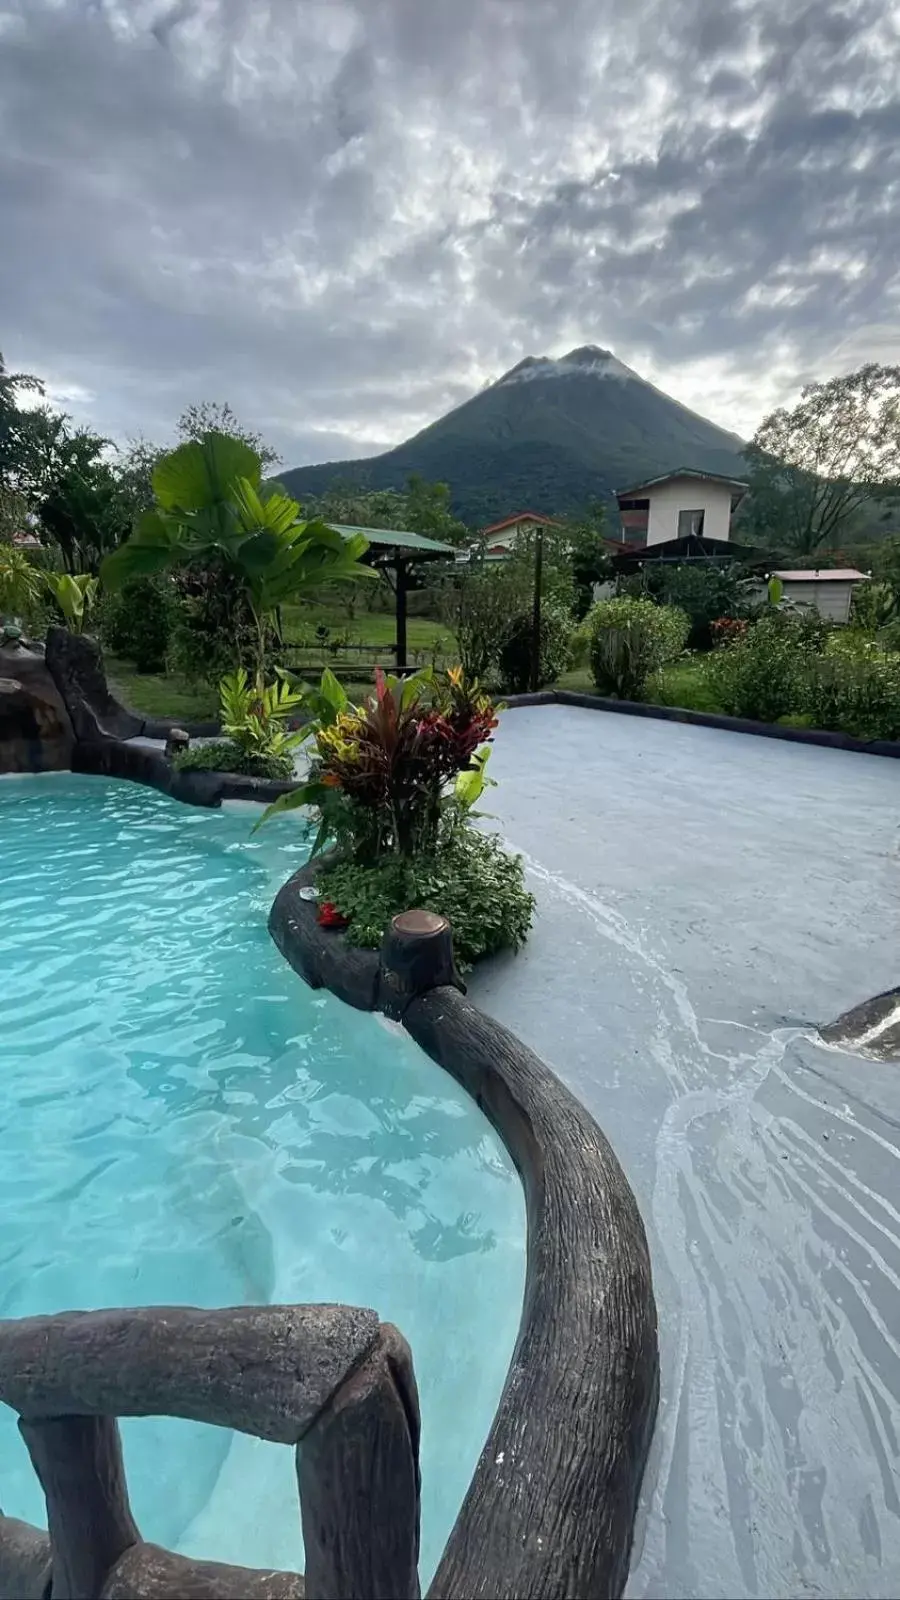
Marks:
<point>690,522</point>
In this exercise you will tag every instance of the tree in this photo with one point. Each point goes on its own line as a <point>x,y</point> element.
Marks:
<point>421,507</point>
<point>210,417</point>
<point>428,512</point>
<point>813,467</point>
<point>85,511</point>
<point>585,541</point>
<point>17,429</point>
<point>211,508</point>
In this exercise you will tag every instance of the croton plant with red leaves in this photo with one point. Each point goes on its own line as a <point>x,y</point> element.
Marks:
<point>384,773</point>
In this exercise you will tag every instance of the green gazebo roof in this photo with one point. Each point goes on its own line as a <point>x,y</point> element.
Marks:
<point>390,538</point>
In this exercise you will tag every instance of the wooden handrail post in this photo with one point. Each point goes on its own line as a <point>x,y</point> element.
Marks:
<point>358,1474</point>
<point>79,1463</point>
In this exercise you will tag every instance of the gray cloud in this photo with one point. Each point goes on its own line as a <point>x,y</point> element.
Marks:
<point>345,215</point>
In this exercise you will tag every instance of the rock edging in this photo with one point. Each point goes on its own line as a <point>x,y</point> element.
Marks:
<point>549,1513</point>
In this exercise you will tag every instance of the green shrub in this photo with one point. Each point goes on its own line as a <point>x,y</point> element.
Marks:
<point>137,622</point>
<point>223,755</point>
<point>515,653</point>
<point>854,691</point>
<point>762,675</point>
<point>889,636</point>
<point>471,881</point>
<point>631,638</point>
<point>705,592</point>
<point>213,626</point>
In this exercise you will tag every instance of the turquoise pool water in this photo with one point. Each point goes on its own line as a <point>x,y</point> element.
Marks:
<point>182,1120</point>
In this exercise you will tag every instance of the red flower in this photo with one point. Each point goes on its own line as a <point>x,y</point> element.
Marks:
<point>330,917</point>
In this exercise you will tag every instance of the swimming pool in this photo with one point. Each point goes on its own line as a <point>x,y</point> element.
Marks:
<point>182,1120</point>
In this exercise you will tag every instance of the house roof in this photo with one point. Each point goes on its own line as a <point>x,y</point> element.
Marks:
<point>823,575</point>
<point>683,472</point>
<point>691,548</point>
<point>522,516</point>
<point>399,540</point>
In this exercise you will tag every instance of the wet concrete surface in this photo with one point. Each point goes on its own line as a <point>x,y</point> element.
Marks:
<point>706,900</point>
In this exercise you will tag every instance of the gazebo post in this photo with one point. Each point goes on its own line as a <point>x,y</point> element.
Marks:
<point>402,572</point>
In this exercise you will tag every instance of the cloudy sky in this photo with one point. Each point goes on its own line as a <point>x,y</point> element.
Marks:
<point>345,216</point>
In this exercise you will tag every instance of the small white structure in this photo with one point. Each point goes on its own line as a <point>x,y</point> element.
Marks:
<point>680,505</point>
<point>829,590</point>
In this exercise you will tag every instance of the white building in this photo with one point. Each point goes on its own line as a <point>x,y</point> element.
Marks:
<point>678,505</point>
<point>829,591</point>
<point>501,538</point>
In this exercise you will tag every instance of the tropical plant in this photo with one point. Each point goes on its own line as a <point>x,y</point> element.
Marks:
<point>75,594</point>
<point>381,773</point>
<point>20,583</point>
<point>211,507</point>
<point>518,648</point>
<point>253,715</point>
<point>629,639</point>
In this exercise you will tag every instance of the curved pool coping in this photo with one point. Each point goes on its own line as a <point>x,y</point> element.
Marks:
<point>549,1514</point>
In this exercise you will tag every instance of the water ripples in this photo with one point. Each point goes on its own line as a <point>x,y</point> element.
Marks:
<point>182,1120</point>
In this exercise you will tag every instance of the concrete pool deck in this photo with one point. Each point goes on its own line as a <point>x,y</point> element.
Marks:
<point>706,900</point>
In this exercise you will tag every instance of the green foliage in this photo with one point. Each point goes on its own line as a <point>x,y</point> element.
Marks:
<point>211,511</point>
<point>854,688</point>
<point>382,773</point>
<point>211,417</point>
<point>516,650</point>
<point>472,882</point>
<point>85,512</point>
<point>630,639</point>
<point>20,583</point>
<point>420,507</point>
<point>814,468</point>
<point>253,715</point>
<point>873,605</point>
<point>75,594</point>
<point>590,560</point>
<point>704,592</point>
<point>213,627</point>
<point>138,620</point>
<point>479,603</point>
<point>761,675</point>
<point>224,755</point>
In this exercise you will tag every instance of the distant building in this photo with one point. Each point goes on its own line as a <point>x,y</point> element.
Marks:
<point>680,505</point>
<point>500,538</point>
<point>829,591</point>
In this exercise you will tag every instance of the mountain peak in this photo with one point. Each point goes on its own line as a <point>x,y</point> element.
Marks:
<point>554,432</point>
<point>588,359</point>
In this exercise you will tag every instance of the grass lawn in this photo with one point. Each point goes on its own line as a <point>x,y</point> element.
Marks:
<point>157,694</point>
<point>367,627</point>
<point>682,683</point>
<point>160,694</point>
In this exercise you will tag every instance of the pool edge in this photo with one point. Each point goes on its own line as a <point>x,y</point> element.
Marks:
<point>551,1507</point>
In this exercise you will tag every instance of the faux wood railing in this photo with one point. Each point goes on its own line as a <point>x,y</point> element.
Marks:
<point>332,1381</point>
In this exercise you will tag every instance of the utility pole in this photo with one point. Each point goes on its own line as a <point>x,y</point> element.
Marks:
<point>536,613</point>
